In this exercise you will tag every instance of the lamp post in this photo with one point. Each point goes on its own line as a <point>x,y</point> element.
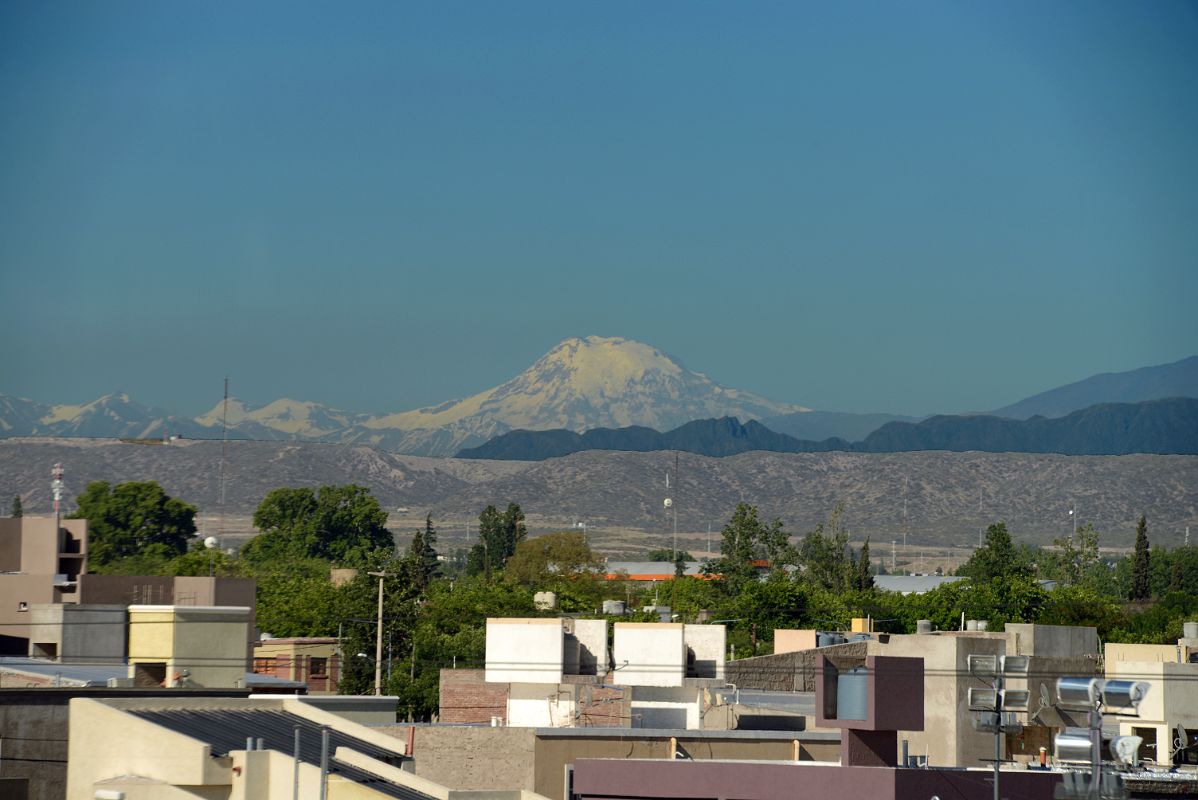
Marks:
<point>378,642</point>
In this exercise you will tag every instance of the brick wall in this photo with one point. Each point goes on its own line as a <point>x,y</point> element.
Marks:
<point>604,707</point>
<point>466,697</point>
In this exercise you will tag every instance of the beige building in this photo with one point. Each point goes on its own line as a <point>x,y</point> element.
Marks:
<point>1168,717</point>
<point>312,661</point>
<point>188,646</point>
<point>38,565</point>
<point>227,749</point>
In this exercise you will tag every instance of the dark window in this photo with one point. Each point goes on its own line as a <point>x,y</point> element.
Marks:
<point>319,667</point>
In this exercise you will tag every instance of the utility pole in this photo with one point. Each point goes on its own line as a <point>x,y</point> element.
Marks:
<point>893,556</point>
<point>378,642</point>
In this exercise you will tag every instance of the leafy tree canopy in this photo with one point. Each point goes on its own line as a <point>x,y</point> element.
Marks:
<point>133,519</point>
<point>498,535</point>
<point>746,539</point>
<point>666,554</point>
<point>563,555</point>
<point>996,558</point>
<point>344,524</point>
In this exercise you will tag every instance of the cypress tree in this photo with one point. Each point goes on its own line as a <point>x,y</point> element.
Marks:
<point>17,510</point>
<point>1140,563</point>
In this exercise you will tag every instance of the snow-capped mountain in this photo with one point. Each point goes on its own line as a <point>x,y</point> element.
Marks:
<point>580,384</point>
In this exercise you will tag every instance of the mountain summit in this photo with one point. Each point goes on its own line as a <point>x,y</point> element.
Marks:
<point>582,383</point>
<point>592,382</point>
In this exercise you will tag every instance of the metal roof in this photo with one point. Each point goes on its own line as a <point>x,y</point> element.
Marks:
<point>100,674</point>
<point>913,584</point>
<point>226,730</point>
<point>652,567</point>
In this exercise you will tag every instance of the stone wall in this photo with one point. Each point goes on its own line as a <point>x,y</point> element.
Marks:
<point>785,672</point>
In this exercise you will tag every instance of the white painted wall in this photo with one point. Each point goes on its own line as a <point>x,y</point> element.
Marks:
<point>524,651</point>
<point>708,643</point>
<point>540,705</point>
<point>668,708</point>
<point>650,654</point>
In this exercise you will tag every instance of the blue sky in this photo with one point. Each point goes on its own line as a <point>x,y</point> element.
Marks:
<point>905,207</point>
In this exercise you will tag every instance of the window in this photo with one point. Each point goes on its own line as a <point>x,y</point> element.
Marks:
<point>319,667</point>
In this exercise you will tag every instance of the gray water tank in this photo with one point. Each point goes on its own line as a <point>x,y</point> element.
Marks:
<point>1189,630</point>
<point>923,626</point>
<point>827,639</point>
<point>613,608</point>
<point>851,701</point>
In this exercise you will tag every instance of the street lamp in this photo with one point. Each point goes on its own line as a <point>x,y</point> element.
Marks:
<point>378,642</point>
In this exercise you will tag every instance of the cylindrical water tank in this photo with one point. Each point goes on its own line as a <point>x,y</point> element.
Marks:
<point>851,694</point>
<point>1190,630</point>
<point>826,639</point>
<point>923,626</point>
<point>983,624</point>
<point>971,624</point>
<point>1073,744</point>
<point>613,608</point>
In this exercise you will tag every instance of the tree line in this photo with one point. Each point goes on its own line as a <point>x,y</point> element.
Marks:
<point>436,604</point>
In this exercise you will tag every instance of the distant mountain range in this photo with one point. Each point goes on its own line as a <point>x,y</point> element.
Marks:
<point>950,497</point>
<point>1156,426</point>
<point>1179,379</point>
<point>580,385</point>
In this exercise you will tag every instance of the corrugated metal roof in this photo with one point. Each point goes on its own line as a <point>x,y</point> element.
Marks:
<point>226,730</point>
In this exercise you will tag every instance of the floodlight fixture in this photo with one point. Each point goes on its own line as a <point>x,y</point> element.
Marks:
<point>1126,749</point>
<point>1015,665</point>
<point>983,666</point>
<point>1073,744</point>
<point>1078,693</point>
<point>983,700</point>
<point>1124,694</point>
<point>1015,699</point>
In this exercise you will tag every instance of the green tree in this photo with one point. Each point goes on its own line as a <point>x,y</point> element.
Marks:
<point>863,579</point>
<point>17,510</point>
<point>1074,557</point>
<point>498,535</point>
<point>1140,589</point>
<point>997,558</point>
<point>561,555</point>
<point>746,539</point>
<point>824,554</point>
<point>344,524</point>
<point>423,554</point>
<point>666,554</point>
<point>133,519</point>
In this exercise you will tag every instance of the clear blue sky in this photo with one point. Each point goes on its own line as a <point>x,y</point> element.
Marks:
<point>906,207</point>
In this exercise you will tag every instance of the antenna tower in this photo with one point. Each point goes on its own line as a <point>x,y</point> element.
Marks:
<point>224,445</point>
<point>56,489</point>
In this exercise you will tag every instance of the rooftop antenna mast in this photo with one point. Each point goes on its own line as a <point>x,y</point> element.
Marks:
<point>224,445</point>
<point>56,489</point>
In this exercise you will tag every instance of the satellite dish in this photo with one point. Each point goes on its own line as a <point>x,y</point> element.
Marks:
<point>210,542</point>
<point>1126,749</point>
<point>668,502</point>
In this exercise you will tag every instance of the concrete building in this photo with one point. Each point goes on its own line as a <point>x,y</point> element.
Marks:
<point>555,673</point>
<point>535,759</point>
<point>949,738</point>
<point>77,634</point>
<point>38,565</point>
<point>194,646</point>
<point>869,700</point>
<point>1168,716</point>
<point>312,661</point>
<point>223,749</point>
